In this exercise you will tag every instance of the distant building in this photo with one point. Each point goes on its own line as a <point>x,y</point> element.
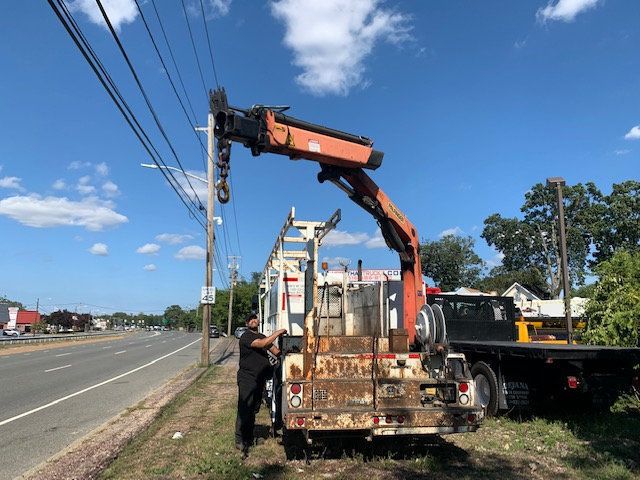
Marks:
<point>26,319</point>
<point>533,306</point>
<point>4,316</point>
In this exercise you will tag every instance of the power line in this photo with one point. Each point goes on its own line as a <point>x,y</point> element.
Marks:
<point>75,33</point>
<point>146,98</point>
<point>193,44</point>
<point>175,65</point>
<point>206,29</point>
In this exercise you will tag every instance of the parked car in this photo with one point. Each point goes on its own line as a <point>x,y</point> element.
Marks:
<point>239,331</point>
<point>12,332</point>
<point>213,332</point>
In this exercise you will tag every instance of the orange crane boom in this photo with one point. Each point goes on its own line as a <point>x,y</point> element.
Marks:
<point>342,157</point>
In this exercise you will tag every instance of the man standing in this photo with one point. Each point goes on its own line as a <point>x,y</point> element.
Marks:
<point>254,370</point>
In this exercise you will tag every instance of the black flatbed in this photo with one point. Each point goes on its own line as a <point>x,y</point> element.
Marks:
<point>546,351</point>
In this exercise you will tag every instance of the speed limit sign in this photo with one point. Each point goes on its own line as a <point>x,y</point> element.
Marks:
<point>208,295</point>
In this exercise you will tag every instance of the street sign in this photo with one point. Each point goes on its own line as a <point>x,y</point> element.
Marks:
<point>208,295</point>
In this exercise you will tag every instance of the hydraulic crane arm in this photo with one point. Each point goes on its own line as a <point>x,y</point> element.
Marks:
<point>342,158</point>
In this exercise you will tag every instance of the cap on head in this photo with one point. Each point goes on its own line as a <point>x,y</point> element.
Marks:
<point>250,317</point>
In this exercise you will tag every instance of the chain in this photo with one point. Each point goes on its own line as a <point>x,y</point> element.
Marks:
<point>224,156</point>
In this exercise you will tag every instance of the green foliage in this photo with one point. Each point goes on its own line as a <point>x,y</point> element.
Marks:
<point>11,303</point>
<point>532,242</point>
<point>628,403</point>
<point>584,291</point>
<point>499,279</point>
<point>614,309</point>
<point>618,226</point>
<point>242,295</point>
<point>451,262</point>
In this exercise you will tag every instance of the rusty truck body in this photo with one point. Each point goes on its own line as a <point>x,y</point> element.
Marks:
<point>344,371</point>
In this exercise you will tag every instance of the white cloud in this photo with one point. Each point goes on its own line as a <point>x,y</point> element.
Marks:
<point>120,12</point>
<point>622,152</point>
<point>11,182</point>
<point>633,134</point>
<point>59,184</point>
<point>99,249</point>
<point>102,169</point>
<point>83,186</point>
<point>34,211</point>
<point>377,241</point>
<point>78,165</point>
<point>149,249</point>
<point>496,260</point>
<point>199,187</point>
<point>565,10</point>
<point>337,238</point>
<point>150,268</point>
<point>331,39</point>
<point>337,263</point>
<point>450,231</point>
<point>192,252</point>
<point>110,189</point>
<point>173,238</point>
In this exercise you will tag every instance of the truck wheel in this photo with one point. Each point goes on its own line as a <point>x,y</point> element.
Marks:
<point>294,444</point>
<point>486,387</point>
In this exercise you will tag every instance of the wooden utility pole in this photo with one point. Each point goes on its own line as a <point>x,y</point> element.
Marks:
<point>206,307</point>
<point>558,183</point>
<point>233,275</point>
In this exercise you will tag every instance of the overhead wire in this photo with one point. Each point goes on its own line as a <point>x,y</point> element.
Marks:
<point>146,97</point>
<point>206,29</point>
<point>195,52</point>
<point>75,33</point>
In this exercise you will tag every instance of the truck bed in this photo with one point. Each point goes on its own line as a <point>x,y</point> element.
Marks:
<point>544,351</point>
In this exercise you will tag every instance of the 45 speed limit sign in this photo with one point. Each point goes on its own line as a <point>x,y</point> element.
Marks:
<point>208,295</point>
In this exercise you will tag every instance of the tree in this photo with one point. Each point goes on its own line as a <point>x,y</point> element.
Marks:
<point>451,262</point>
<point>618,226</point>
<point>532,242</point>
<point>11,303</point>
<point>613,312</point>
<point>499,279</point>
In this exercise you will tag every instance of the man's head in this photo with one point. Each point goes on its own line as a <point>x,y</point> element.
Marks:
<point>252,322</point>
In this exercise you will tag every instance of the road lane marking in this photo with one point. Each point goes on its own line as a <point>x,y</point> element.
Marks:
<point>92,387</point>
<point>26,354</point>
<point>121,351</point>
<point>57,368</point>
<point>63,354</point>
<point>110,346</point>
<point>164,341</point>
<point>147,346</point>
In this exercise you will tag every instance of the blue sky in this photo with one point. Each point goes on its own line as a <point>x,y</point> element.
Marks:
<point>472,103</point>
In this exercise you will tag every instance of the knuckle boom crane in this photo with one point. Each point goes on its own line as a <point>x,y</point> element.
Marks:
<point>406,383</point>
<point>342,158</point>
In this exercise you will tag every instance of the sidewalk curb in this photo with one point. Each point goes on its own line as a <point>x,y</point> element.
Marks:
<point>88,456</point>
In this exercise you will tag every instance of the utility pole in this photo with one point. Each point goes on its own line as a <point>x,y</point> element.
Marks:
<point>206,307</point>
<point>233,275</point>
<point>558,183</point>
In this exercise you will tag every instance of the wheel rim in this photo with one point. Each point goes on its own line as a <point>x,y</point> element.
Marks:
<point>483,389</point>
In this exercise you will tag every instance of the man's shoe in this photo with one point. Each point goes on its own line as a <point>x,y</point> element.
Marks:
<point>239,446</point>
<point>259,441</point>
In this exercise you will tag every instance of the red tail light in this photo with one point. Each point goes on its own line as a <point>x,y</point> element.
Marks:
<point>463,387</point>
<point>572,382</point>
<point>400,419</point>
<point>471,417</point>
<point>300,421</point>
<point>389,419</point>
<point>376,420</point>
<point>296,388</point>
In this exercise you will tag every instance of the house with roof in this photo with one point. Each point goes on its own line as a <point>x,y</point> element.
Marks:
<point>26,319</point>
<point>4,316</point>
<point>531,305</point>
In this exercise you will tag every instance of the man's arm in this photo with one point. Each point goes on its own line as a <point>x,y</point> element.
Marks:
<point>275,350</point>
<point>267,341</point>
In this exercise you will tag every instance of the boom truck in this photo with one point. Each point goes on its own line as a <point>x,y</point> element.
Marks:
<point>343,373</point>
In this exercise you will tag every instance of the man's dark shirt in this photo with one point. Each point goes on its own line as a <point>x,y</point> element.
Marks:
<point>254,362</point>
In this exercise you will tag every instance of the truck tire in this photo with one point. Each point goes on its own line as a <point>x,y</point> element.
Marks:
<point>294,444</point>
<point>486,387</point>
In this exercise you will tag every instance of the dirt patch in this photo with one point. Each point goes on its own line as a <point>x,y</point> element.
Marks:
<point>33,347</point>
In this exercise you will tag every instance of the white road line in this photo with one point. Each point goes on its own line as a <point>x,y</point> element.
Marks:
<point>84,390</point>
<point>63,354</point>
<point>57,368</point>
<point>121,351</point>
<point>26,354</point>
<point>110,346</point>
<point>147,346</point>
<point>164,341</point>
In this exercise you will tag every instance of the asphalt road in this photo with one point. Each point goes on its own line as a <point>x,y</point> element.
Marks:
<point>50,398</point>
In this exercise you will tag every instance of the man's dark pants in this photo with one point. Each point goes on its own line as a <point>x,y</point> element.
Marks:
<point>249,397</point>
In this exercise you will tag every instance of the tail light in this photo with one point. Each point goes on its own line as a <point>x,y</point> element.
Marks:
<point>572,383</point>
<point>400,419</point>
<point>376,420</point>
<point>471,417</point>
<point>389,419</point>
<point>300,421</point>
<point>295,401</point>
<point>296,388</point>
<point>463,387</point>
